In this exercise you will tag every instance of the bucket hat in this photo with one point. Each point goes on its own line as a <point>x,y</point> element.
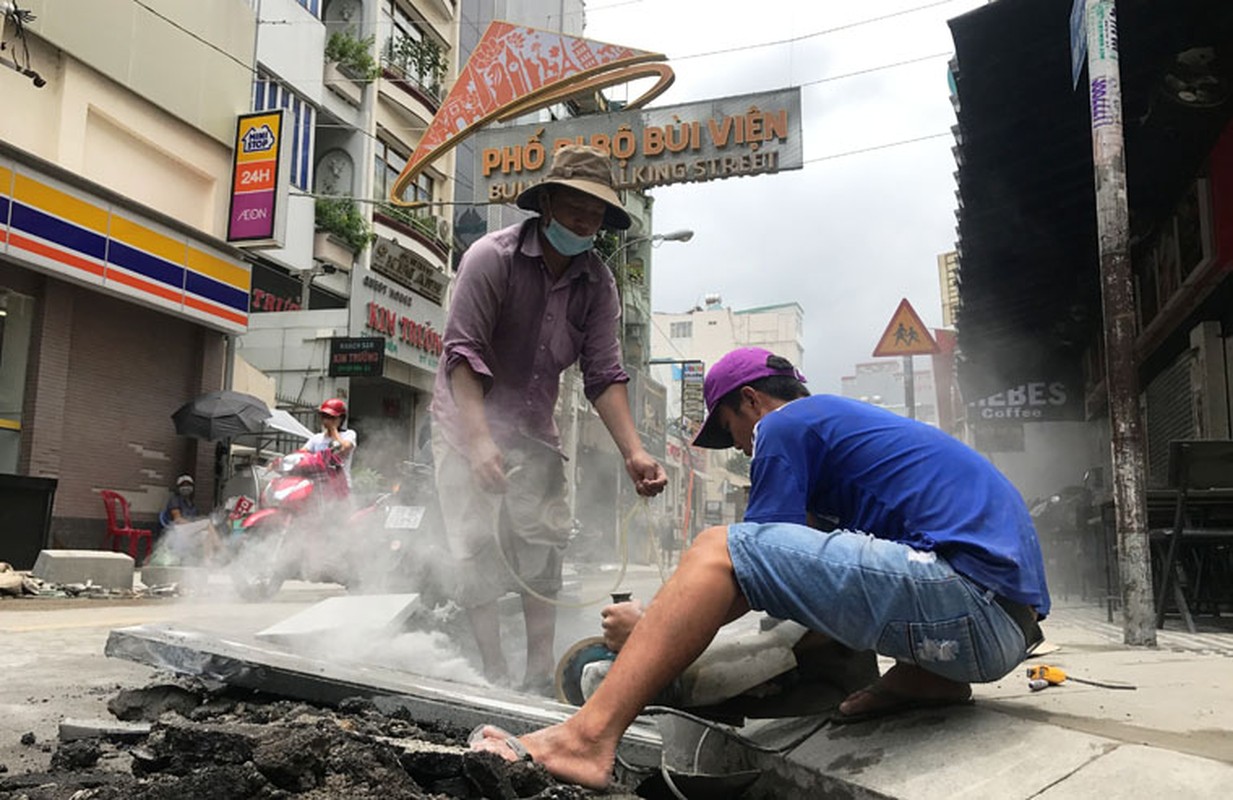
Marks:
<point>738,368</point>
<point>587,169</point>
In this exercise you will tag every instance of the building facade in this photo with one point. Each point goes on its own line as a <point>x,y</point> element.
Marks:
<point>361,80</point>
<point>881,383</point>
<point>948,284</point>
<point>117,291</point>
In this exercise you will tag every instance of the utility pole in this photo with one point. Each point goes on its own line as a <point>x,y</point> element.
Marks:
<point>909,387</point>
<point>1121,377</point>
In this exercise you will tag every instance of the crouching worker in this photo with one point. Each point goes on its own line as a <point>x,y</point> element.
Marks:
<point>932,560</point>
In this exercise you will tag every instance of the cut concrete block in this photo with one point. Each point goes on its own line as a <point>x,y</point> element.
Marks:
<point>188,579</point>
<point>99,567</point>
<point>72,729</point>
<point>351,618</point>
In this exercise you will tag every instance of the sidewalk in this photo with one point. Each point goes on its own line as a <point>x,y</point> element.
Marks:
<point>1172,736</point>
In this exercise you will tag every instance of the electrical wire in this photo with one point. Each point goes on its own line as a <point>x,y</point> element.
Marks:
<point>729,731</point>
<point>622,544</point>
<point>721,51</point>
<point>815,34</point>
<point>885,146</point>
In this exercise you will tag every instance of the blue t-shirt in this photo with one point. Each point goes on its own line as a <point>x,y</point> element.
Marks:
<point>899,479</point>
<point>185,505</point>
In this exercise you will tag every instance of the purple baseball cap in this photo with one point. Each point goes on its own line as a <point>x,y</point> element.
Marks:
<point>738,368</point>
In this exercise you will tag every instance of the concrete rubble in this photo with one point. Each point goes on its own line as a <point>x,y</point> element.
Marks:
<point>239,744</point>
<point>152,582</point>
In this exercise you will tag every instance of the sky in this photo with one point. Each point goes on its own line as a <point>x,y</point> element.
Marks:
<point>845,237</point>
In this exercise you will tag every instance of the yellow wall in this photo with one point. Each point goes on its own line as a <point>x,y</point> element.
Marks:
<point>90,124</point>
<point>194,59</point>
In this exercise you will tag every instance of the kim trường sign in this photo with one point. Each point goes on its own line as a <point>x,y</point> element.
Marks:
<point>258,211</point>
<point>354,357</point>
<point>728,137</point>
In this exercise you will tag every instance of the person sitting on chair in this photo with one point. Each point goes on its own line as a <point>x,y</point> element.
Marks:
<point>182,524</point>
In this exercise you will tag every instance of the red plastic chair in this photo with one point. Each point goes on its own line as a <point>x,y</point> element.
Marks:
<point>117,512</point>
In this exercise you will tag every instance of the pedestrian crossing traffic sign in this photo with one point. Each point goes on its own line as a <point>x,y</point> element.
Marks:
<point>906,335</point>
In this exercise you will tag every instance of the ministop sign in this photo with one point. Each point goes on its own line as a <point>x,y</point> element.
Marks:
<point>906,335</point>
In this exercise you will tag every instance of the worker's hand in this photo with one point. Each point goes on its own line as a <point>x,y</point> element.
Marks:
<point>487,465</point>
<point>618,620</point>
<point>648,476</point>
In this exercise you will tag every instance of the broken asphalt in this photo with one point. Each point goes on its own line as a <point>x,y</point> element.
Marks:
<point>1172,733</point>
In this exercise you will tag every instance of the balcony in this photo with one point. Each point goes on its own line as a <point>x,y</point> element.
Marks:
<point>430,231</point>
<point>349,65</point>
<point>417,67</point>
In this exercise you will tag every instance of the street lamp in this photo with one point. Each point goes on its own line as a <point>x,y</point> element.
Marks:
<point>683,235</point>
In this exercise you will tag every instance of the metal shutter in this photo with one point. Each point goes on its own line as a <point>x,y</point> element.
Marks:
<point>1170,415</point>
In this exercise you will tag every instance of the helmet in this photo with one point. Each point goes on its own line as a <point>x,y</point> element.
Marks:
<point>333,407</point>
<point>184,480</point>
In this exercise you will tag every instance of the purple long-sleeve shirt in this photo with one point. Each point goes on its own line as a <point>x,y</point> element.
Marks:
<point>518,328</point>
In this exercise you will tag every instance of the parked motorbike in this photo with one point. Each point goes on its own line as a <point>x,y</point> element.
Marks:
<point>400,547</point>
<point>1069,542</point>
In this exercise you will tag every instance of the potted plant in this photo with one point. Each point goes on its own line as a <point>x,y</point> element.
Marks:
<point>340,227</point>
<point>352,55</point>
<point>419,59</point>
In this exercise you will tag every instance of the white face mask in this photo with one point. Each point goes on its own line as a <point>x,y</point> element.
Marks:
<point>565,241</point>
<point>185,491</point>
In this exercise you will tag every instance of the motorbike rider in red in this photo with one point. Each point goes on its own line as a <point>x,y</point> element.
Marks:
<point>334,437</point>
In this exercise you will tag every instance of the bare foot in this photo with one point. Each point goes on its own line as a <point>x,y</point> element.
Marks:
<point>564,752</point>
<point>901,684</point>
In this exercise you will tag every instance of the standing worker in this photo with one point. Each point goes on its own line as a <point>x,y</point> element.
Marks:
<point>930,559</point>
<point>528,301</point>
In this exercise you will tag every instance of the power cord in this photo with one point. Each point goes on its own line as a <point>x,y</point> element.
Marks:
<point>622,544</point>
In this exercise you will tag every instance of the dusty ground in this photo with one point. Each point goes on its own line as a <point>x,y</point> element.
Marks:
<point>232,745</point>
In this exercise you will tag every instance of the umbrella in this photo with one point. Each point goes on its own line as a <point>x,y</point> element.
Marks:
<point>221,415</point>
<point>282,421</point>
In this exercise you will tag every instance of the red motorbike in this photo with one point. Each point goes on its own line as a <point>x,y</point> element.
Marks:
<point>297,527</point>
<point>306,527</point>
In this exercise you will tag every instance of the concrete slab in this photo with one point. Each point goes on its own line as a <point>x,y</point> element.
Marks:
<point>1132,771</point>
<point>100,567</point>
<point>350,618</point>
<point>960,752</point>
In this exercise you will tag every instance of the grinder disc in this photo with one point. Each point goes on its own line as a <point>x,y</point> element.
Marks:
<point>568,677</point>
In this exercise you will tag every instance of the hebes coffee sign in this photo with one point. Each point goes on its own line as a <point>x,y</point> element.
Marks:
<point>1033,401</point>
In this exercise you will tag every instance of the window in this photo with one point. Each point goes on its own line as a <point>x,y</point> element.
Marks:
<point>389,165</point>
<point>681,330</point>
<point>269,93</point>
<point>411,50</point>
<point>312,6</point>
<point>16,326</point>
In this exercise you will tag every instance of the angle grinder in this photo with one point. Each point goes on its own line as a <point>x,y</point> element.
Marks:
<point>567,679</point>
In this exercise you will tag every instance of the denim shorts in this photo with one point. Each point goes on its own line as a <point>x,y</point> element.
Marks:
<point>875,594</point>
